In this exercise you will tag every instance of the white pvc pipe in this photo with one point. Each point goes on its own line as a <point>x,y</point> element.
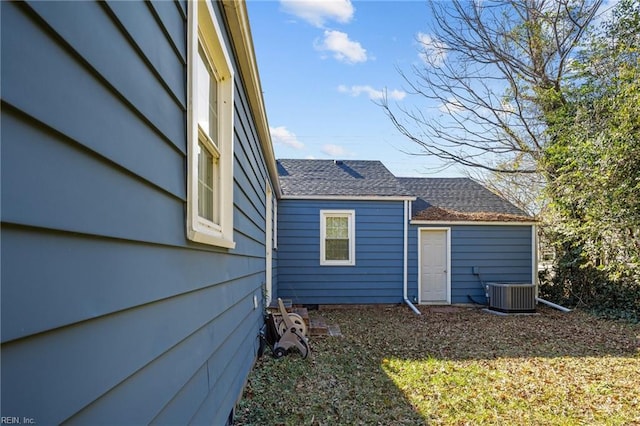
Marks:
<point>405,251</point>
<point>413,308</point>
<point>553,305</point>
<point>405,274</point>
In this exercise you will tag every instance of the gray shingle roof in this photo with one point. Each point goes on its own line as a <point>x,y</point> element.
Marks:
<point>456,194</point>
<point>337,178</point>
<point>437,198</point>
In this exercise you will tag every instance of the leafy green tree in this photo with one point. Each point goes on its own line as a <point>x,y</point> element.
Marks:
<point>593,164</point>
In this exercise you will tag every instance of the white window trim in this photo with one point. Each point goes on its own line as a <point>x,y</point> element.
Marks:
<point>351,215</point>
<point>204,28</point>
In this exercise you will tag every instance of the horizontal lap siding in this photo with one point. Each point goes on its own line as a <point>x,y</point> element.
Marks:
<point>502,253</point>
<point>377,274</point>
<point>108,313</point>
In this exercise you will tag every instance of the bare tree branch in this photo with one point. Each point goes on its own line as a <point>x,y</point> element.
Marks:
<point>494,72</point>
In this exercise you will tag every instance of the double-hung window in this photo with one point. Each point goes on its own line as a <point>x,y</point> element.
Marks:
<point>337,237</point>
<point>210,130</point>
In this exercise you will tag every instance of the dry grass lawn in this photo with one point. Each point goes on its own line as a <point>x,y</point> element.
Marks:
<point>452,367</point>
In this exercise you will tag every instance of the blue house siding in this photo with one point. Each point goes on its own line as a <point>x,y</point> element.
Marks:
<point>377,274</point>
<point>503,253</point>
<point>109,314</point>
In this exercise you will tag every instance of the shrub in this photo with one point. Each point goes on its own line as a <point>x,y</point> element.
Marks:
<point>576,283</point>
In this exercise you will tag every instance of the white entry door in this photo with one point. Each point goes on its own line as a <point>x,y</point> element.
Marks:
<point>434,266</point>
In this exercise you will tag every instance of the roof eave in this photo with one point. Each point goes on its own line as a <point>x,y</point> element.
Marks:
<point>237,18</point>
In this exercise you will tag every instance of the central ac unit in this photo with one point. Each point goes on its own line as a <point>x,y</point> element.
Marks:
<point>512,297</point>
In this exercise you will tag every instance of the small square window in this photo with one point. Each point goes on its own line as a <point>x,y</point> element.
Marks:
<point>337,239</point>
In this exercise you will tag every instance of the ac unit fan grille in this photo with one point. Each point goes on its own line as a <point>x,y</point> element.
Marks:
<point>512,297</point>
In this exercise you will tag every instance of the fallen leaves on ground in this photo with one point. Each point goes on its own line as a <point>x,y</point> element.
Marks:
<point>456,367</point>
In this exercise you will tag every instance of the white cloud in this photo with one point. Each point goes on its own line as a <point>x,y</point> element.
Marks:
<point>431,50</point>
<point>451,106</point>
<point>373,94</point>
<point>281,135</point>
<point>334,150</point>
<point>343,49</point>
<point>316,12</point>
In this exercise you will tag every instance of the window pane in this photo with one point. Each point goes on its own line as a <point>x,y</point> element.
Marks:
<point>337,238</point>
<point>336,249</point>
<point>205,183</point>
<point>337,227</point>
<point>206,96</point>
<point>203,80</point>
<point>213,110</point>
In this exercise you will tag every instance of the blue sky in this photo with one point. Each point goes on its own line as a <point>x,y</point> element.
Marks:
<point>323,64</point>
